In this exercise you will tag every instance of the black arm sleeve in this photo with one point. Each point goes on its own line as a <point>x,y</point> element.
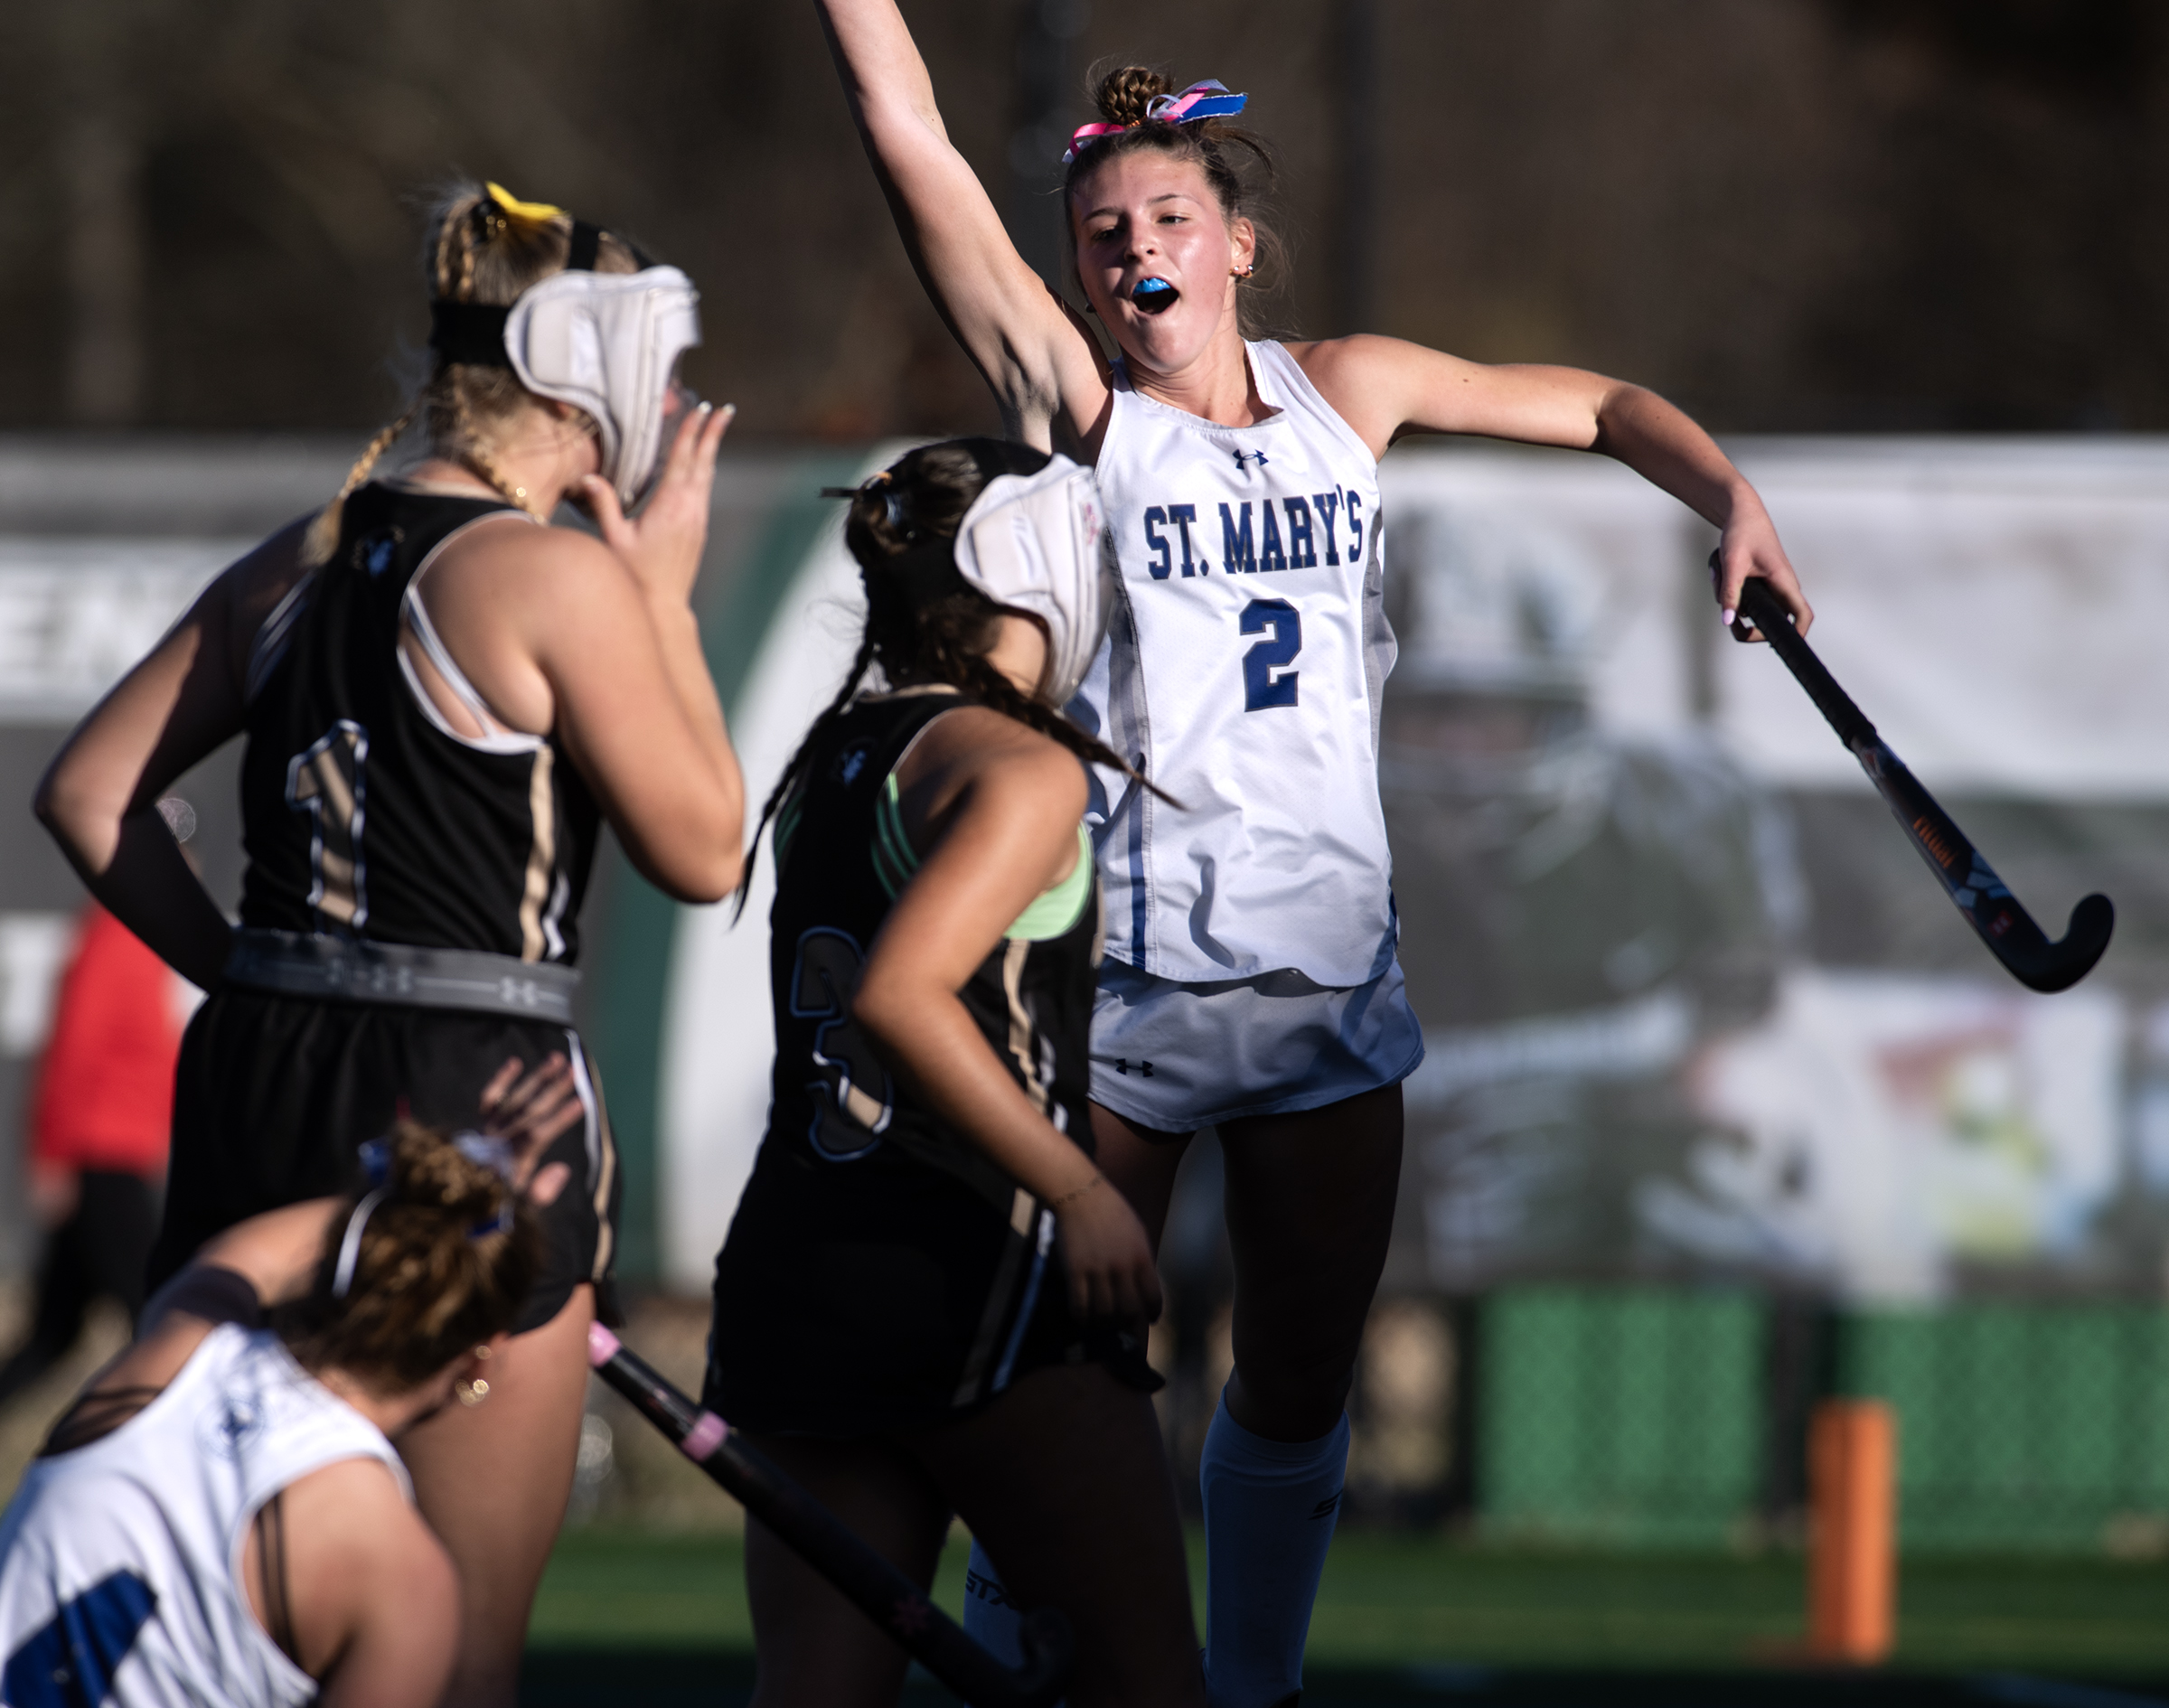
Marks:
<point>216,1294</point>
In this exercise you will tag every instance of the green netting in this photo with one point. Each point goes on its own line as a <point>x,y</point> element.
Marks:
<point>1628,1416</point>
<point>2021,1426</point>
<point>1638,1417</point>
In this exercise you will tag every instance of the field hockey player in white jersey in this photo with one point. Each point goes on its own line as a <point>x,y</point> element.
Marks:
<point>1251,983</point>
<point>222,1516</point>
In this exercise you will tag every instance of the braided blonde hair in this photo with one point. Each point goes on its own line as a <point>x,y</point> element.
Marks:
<point>481,249</point>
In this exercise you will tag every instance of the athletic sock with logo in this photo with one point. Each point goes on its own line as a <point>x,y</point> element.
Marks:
<point>990,1621</point>
<point>1269,1513</point>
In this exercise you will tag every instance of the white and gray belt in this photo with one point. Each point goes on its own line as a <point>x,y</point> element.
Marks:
<point>354,969</point>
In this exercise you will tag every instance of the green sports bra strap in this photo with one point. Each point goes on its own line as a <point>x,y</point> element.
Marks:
<point>1051,913</point>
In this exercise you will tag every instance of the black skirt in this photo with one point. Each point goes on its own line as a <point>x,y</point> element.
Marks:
<point>891,1301</point>
<point>276,1096</point>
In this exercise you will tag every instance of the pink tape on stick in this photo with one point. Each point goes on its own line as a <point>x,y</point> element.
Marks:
<point>704,1437</point>
<point>601,1344</point>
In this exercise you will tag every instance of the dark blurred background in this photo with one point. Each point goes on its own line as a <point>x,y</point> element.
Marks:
<point>1795,215</point>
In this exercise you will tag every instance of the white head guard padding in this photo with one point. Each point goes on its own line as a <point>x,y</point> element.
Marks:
<point>1036,542</point>
<point>607,344</point>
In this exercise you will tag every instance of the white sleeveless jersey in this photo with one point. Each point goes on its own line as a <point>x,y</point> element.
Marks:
<point>120,1561</point>
<point>1243,667</point>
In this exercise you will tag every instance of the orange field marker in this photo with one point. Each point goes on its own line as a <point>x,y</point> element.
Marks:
<point>1852,1563</point>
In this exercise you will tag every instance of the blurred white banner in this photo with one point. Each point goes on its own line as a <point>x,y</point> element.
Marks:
<point>1994,608</point>
<point>76,614</point>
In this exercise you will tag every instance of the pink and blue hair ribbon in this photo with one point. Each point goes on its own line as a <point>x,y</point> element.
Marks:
<point>1209,99</point>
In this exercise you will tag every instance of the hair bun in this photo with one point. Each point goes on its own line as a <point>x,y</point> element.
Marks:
<point>1126,92</point>
<point>409,1281</point>
<point>428,1171</point>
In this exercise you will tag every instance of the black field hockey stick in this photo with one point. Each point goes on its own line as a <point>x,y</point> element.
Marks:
<point>884,1594</point>
<point>1990,908</point>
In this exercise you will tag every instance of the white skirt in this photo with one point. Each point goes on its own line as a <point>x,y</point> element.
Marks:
<point>1176,1057</point>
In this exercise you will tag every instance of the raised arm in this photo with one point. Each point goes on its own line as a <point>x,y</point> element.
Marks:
<point>1039,363</point>
<point>1386,389</point>
<point>596,641</point>
<point>680,806</point>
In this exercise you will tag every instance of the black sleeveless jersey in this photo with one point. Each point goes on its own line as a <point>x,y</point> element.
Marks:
<point>841,857</point>
<point>881,1270</point>
<point>362,813</point>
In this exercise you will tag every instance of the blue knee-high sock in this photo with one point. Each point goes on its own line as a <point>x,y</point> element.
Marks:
<point>1269,1513</point>
<point>990,1619</point>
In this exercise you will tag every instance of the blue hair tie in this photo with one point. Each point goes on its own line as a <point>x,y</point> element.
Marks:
<point>488,1152</point>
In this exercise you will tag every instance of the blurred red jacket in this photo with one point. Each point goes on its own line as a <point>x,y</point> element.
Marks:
<point>105,1090</point>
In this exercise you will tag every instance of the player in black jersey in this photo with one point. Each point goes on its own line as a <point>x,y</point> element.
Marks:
<point>931,1300</point>
<point>443,698</point>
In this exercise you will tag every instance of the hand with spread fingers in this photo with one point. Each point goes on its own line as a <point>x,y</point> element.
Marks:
<point>529,1112</point>
<point>663,545</point>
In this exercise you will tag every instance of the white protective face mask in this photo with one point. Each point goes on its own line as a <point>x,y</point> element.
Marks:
<point>608,343</point>
<point>1037,542</point>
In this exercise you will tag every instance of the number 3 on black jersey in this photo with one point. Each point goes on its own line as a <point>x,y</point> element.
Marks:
<point>326,782</point>
<point>853,1100</point>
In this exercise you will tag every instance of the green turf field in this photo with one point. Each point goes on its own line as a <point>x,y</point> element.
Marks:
<point>1393,1601</point>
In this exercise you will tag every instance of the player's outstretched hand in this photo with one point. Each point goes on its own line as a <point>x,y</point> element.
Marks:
<point>1750,548</point>
<point>1111,1269</point>
<point>663,546</point>
<point>529,1112</point>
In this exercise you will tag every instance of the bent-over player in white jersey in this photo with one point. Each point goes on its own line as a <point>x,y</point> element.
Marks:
<point>222,1516</point>
<point>1250,983</point>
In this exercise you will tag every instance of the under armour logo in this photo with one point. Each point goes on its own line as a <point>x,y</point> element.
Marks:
<point>1122,1066</point>
<point>376,551</point>
<point>850,763</point>
<point>237,1424</point>
<point>1244,458</point>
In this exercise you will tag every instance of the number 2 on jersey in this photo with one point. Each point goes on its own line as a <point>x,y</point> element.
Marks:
<point>853,1095</point>
<point>326,782</point>
<point>1260,687</point>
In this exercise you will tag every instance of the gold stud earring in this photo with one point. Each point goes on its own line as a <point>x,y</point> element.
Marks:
<point>472,1393</point>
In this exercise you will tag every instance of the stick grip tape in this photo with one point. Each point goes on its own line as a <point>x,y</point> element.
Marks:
<point>704,1437</point>
<point>1761,607</point>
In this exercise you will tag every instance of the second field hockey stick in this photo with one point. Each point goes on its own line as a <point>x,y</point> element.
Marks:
<point>1990,908</point>
<point>884,1594</point>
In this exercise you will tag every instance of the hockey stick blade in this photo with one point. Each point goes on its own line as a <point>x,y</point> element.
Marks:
<point>1989,907</point>
<point>884,1594</point>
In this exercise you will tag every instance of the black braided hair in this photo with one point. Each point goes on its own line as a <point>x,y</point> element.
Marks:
<point>860,662</point>
<point>918,502</point>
